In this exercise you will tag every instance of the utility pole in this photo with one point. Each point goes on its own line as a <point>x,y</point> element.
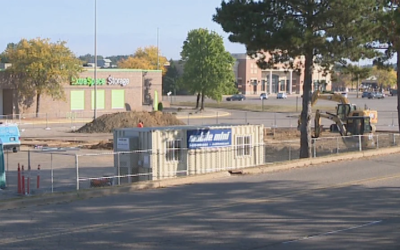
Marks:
<point>95,59</point>
<point>358,77</point>
<point>158,54</point>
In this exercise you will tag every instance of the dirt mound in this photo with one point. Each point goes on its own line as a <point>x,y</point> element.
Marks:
<point>100,145</point>
<point>106,123</point>
<point>281,134</point>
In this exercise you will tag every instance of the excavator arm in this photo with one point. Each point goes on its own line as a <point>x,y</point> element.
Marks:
<point>330,116</point>
<point>329,96</point>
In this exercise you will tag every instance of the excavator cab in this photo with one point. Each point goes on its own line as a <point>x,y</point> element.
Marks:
<point>358,125</point>
<point>344,109</point>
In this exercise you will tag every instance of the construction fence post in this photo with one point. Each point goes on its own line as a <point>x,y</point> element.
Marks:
<point>38,177</point>
<point>77,171</point>
<point>22,180</point>
<point>19,180</point>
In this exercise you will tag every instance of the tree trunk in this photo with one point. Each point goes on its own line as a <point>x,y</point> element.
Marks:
<point>37,105</point>
<point>306,113</point>
<point>202,101</point>
<point>398,87</point>
<point>198,101</point>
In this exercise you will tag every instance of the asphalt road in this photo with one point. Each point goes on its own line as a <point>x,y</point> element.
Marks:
<point>387,114</point>
<point>347,205</point>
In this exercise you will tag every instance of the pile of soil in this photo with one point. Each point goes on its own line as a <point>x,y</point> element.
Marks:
<point>100,145</point>
<point>108,122</point>
<point>281,134</point>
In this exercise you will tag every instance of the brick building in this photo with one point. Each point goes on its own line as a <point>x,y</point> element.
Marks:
<point>253,80</point>
<point>117,90</point>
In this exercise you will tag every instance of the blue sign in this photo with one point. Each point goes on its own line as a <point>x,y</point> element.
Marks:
<point>208,138</point>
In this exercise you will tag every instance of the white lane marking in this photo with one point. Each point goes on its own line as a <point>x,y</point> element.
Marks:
<point>333,232</point>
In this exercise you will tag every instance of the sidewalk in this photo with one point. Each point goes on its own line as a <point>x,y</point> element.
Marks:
<point>180,112</point>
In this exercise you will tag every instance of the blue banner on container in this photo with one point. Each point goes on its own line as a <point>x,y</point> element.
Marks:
<point>208,138</point>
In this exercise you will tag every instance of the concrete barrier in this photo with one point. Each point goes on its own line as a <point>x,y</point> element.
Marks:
<point>107,191</point>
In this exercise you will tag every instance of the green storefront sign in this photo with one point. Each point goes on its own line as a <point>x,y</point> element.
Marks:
<point>88,81</point>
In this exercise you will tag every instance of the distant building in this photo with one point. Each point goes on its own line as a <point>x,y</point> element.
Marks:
<point>253,80</point>
<point>4,65</point>
<point>370,83</point>
<point>101,63</point>
<point>250,79</point>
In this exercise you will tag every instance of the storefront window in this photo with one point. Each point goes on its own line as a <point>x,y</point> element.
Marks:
<point>263,85</point>
<point>117,99</point>
<point>100,99</point>
<point>77,100</point>
<point>282,85</point>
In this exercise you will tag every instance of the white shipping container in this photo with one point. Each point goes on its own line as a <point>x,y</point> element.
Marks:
<point>166,152</point>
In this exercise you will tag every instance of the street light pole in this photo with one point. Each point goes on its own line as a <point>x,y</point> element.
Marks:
<point>95,59</point>
<point>158,53</point>
<point>358,77</point>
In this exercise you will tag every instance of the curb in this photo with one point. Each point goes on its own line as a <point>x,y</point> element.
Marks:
<point>107,191</point>
<point>223,114</point>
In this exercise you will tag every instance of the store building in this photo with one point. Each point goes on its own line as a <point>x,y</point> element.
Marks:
<point>156,153</point>
<point>251,79</point>
<point>117,90</point>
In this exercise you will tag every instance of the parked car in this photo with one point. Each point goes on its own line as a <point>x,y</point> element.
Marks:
<point>264,96</point>
<point>365,94</point>
<point>344,94</point>
<point>238,97</point>
<point>393,92</point>
<point>376,95</point>
<point>380,95</point>
<point>281,96</point>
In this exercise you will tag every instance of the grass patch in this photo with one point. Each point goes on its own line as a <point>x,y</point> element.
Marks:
<point>257,108</point>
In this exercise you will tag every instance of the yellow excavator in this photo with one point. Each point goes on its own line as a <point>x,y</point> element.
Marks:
<point>344,109</point>
<point>353,125</point>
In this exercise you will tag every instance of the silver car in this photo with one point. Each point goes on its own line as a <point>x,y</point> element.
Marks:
<point>281,96</point>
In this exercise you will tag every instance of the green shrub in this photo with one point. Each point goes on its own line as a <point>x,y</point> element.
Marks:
<point>179,109</point>
<point>160,106</point>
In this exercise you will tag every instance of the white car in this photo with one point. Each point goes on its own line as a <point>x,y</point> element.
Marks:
<point>281,96</point>
<point>263,96</point>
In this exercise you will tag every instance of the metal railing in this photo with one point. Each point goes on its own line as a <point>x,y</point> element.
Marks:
<point>69,170</point>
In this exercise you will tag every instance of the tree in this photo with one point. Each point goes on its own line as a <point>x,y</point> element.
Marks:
<point>3,56</point>
<point>42,67</point>
<point>145,58</point>
<point>171,78</point>
<point>386,78</point>
<point>389,36</point>
<point>89,58</point>
<point>323,31</point>
<point>208,67</point>
<point>356,73</point>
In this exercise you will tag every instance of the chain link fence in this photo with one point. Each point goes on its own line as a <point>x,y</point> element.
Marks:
<point>68,170</point>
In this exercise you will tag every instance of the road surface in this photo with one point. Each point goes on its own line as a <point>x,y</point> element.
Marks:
<point>347,205</point>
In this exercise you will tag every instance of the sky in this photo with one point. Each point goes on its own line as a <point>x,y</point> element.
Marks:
<point>122,25</point>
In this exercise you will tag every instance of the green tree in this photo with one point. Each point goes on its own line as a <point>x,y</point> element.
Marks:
<point>42,67</point>
<point>323,31</point>
<point>356,74</point>
<point>170,81</point>
<point>89,58</point>
<point>208,67</point>
<point>386,78</point>
<point>3,56</point>
<point>389,36</point>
